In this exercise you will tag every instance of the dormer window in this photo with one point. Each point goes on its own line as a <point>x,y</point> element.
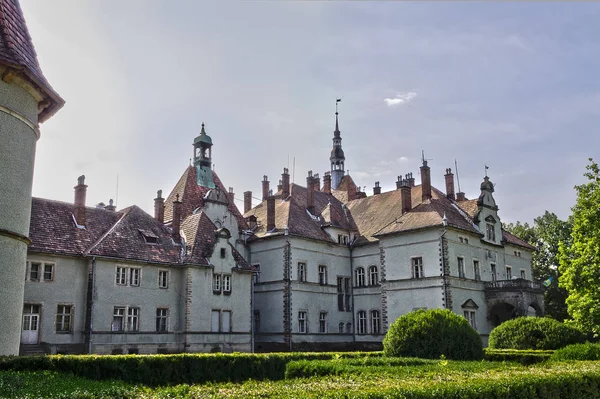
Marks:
<point>490,232</point>
<point>149,236</point>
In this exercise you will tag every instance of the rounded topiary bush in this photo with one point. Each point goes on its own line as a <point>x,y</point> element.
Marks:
<point>431,333</point>
<point>534,333</point>
<point>585,351</point>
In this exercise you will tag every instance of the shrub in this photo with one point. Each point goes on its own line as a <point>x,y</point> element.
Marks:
<point>585,351</point>
<point>534,333</point>
<point>431,333</point>
<point>525,357</point>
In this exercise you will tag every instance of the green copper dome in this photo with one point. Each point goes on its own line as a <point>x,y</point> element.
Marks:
<point>203,137</point>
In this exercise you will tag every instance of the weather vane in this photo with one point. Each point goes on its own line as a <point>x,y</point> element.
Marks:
<point>486,169</point>
<point>336,104</point>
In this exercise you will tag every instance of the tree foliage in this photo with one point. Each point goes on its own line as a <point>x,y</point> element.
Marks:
<point>580,259</point>
<point>546,234</point>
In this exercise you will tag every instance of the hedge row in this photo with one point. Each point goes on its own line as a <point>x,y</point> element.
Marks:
<point>587,351</point>
<point>156,370</point>
<point>520,356</point>
<point>373,365</point>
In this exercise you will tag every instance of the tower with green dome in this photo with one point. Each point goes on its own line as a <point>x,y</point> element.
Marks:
<point>203,159</point>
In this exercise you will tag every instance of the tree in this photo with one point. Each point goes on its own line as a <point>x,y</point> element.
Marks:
<point>580,259</point>
<point>546,234</point>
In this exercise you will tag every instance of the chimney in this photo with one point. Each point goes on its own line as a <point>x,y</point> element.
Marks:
<point>230,195</point>
<point>159,207</point>
<point>110,207</point>
<point>425,181</point>
<point>460,196</point>
<point>285,183</point>
<point>327,182</point>
<point>411,180</point>
<point>316,182</point>
<point>176,222</point>
<point>270,212</point>
<point>80,192</point>
<point>280,186</point>
<point>449,176</point>
<point>399,182</point>
<point>406,196</point>
<point>247,201</point>
<point>310,193</point>
<point>376,189</point>
<point>265,187</point>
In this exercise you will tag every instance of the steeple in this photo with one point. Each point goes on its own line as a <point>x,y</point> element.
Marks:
<point>337,157</point>
<point>203,159</point>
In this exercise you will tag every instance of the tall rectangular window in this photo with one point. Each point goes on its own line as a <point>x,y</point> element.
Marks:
<point>470,315</point>
<point>508,272</point>
<point>63,318</point>
<point>134,277</point>
<point>302,322</point>
<point>162,315</point>
<point>163,279</point>
<point>323,322</point>
<point>375,322</point>
<point>118,323</point>
<point>216,283</point>
<point>121,276</point>
<point>301,272</point>
<point>359,277</point>
<point>227,283</point>
<point>417,267</point>
<point>361,326</point>
<point>490,232</point>
<point>523,275</point>
<point>48,272</point>
<point>226,321</point>
<point>256,321</point>
<point>34,271</point>
<point>461,267</point>
<point>373,275</point>
<point>133,319</point>
<point>215,320</point>
<point>322,274</point>
<point>344,294</point>
<point>493,270</point>
<point>476,271</point>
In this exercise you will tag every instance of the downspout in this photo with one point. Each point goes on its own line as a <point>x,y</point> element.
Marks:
<point>92,304</point>
<point>444,275</point>
<point>252,319</point>
<point>352,310</point>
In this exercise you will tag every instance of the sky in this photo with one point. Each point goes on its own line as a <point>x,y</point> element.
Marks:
<point>512,86</point>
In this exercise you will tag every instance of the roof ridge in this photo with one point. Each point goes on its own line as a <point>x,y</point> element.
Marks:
<point>114,226</point>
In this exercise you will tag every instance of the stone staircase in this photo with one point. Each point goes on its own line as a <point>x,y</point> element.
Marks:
<point>32,350</point>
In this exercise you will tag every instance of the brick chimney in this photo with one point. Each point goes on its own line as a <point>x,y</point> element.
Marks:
<point>159,207</point>
<point>460,196</point>
<point>265,187</point>
<point>270,212</point>
<point>80,192</point>
<point>425,181</point>
<point>231,195</point>
<point>399,182</point>
<point>111,206</point>
<point>406,196</point>
<point>327,182</point>
<point>449,176</point>
<point>411,179</point>
<point>316,182</point>
<point>285,183</point>
<point>247,201</point>
<point>310,193</point>
<point>176,222</point>
<point>376,189</point>
<point>280,186</point>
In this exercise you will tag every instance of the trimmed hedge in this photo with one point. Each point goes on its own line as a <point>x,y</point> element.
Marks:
<point>432,333</point>
<point>157,370</point>
<point>520,356</point>
<point>585,351</point>
<point>373,365</point>
<point>534,333</point>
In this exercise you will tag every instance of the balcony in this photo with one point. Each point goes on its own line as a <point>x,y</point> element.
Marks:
<point>513,285</point>
<point>507,299</point>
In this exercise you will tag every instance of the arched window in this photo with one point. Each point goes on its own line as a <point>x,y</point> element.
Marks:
<point>359,277</point>
<point>349,328</point>
<point>375,322</point>
<point>361,327</point>
<point>373,275</point>
<point>341,328</point>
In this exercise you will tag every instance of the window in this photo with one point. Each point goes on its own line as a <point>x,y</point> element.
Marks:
<point>470,316</point>
<point>461,267</point>
<point>302,322</point>
<point>341,328</point>
<point>220,320</point>
<point>34,271</point>
<point>163,279</point>
<point>133,319</point>
<point>375,322</point>
<point>466,240</point>
<point>216,283</point>
<point>149,236</point>
<point>323,322</point>
<point>508,272</point>
<point>128,276</point>
<point>162,315</point>
<point>134,277</point>
<point>373,275</point>
<point>227,283</point>
<point>461,239</point>
<point>523,275</point>
<point>48,272</point>
<point>223,253</point>
<point>256,321</point>
<point>215,320</point>
<point>226,321</point>
<point>64,318</point>
<point>490,232</point>
<point>348,328</point>
<point>257,274</point>
<point>121,276</point>
<point>118,319</point>
<point>493,270</point>
<point>361,327</point>
<point>322,275</point>
<point>359,275</point>
<point>301,272</point>
<point>417,267</point>
<point>343,292</point>
<point>476,271</point>
<point>342,239</point>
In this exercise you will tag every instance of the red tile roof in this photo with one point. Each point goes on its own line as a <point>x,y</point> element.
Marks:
<point>17,52</point>
<point>514,240</point>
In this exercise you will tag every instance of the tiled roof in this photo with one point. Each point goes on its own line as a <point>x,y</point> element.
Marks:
<point>469,206</point>
<point>17,51</point>
<point>192,195</point>
<point>514,240</point>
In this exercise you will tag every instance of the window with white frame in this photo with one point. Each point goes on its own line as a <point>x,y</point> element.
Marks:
<point>227,283</point>
<point>64,317</point>
<point>508,272</point>
<point>373,275</point>
<point>121,276</point>
<point>48,272</point>
<point>375,322</point>
<point>476,270</point>
<point>134,277</point>
<point>461,267</point>
<point>417,267</point>
<point>471,316</point>
<point>523,275</point>
<point>302,322</point>
<point>322,274</point>
<point>216,283</point>
<point>118,323</point>
<point>133,319</point>
<point>128,276</point>
<point>493,270</point>
<point>301,272</point>
<point>163,279</point>
<point>34,271</point>
<point>361,320</point>
<point>162,319</point>
<point>359,277</point>
<point>341,328</point>
<point>323,322</point>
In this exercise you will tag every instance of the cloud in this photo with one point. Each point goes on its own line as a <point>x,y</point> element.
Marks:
<point>401,98</point>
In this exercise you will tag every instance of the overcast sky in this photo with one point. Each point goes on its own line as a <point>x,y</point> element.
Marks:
<point>511,85</point>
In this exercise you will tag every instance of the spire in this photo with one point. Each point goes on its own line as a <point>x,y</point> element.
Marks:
<point>337,157</point>
<point>203,159</point>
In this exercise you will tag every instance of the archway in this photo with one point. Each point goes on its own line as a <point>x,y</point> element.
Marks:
<point>501,312</point>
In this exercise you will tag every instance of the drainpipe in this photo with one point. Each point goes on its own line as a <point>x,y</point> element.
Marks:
<point>444,276</point>
<point>92,304</point>
<point>351,285</point>
<point>252,321</point>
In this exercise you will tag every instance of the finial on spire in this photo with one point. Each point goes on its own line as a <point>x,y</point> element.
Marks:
<point>337,127</point>
<point>202,131</point>
<point>486,168</point>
